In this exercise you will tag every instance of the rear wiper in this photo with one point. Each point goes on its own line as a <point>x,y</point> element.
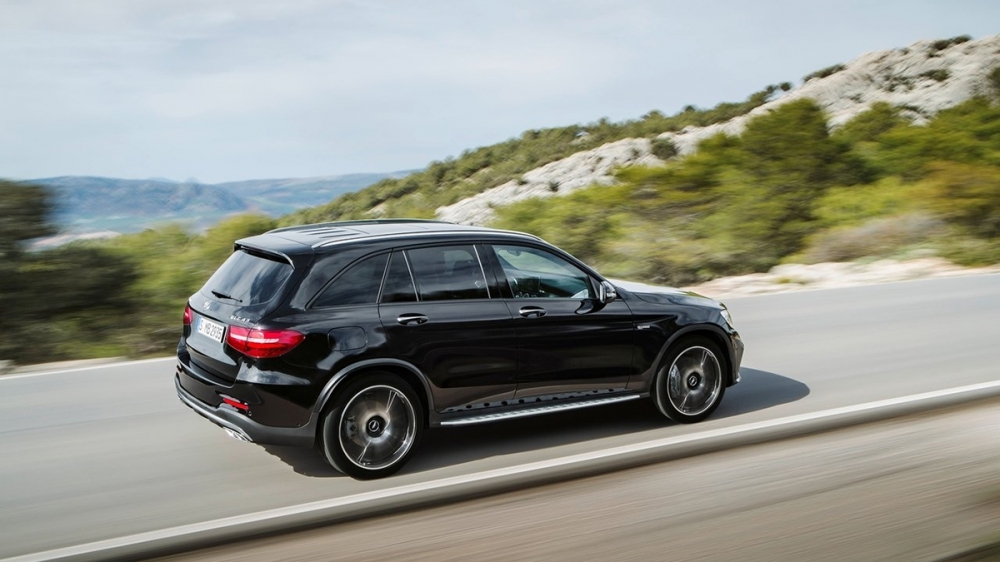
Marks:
<point>222,295</point>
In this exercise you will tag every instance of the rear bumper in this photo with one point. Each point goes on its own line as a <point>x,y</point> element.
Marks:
<point>245,428</point>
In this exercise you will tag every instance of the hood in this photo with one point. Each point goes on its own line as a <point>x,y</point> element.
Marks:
<point>660,294</point>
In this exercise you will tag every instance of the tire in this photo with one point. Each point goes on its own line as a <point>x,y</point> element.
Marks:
<point>372,426</point>
<point>690,380</point>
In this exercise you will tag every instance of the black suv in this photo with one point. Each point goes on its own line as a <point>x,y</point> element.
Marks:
<point>355,336</point>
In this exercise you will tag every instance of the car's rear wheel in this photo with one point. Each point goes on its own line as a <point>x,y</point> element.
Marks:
<point>372,427</point>
<point>690,381</point>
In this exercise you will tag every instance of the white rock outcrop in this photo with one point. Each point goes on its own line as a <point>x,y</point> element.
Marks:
<point>561,177</point>
<point>922,78</point>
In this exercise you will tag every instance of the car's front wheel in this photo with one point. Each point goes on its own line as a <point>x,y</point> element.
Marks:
<point>690,381</point>
<point>372,427</point>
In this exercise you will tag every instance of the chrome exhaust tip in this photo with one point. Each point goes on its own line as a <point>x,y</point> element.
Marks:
<point>238,435</point>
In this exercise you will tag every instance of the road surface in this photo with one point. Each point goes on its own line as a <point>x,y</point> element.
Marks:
<point>109,451</point>
<point>911,489</point>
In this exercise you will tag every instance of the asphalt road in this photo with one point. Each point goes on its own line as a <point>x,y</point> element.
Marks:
<point>110,451</point>
<point>910,489</point>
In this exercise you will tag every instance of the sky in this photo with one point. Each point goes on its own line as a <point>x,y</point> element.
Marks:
<point>225,90</point>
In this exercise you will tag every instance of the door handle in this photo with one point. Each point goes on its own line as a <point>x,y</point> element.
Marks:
<point>412,318</point>
<point>532,311</point>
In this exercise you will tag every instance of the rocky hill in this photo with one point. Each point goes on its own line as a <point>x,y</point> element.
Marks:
<point>924,78</point>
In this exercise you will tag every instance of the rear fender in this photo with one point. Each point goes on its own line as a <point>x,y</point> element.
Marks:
<point>330,388</point>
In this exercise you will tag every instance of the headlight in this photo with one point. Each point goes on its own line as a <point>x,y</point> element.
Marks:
<point>728,317</point>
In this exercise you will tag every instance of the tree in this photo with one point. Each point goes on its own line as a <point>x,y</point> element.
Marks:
<point>24,214</point>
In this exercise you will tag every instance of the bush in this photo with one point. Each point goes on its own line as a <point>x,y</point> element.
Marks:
<point>970,251</point>
<point>851,205</point>
<point>966,195</point>
<point>663,148</point>
<point>823,73</point>
<point>942,44</point>
<point>880,237</point>
<point>939,75</point>
<point>993,78</point>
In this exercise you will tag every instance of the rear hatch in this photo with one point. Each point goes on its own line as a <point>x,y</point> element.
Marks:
<point>246,287</point>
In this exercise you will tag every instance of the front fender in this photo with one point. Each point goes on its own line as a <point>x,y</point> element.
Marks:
<point>731,347</point>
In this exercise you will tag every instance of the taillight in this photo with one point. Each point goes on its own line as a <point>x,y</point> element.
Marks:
<point>262,344</point>
<point>187,315</point>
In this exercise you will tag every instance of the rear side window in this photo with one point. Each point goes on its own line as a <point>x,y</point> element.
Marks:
<point>249,278</point>
<point>357,285</point>
<point>447,273</point>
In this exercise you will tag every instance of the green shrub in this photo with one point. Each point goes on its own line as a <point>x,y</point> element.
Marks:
<point>663,148</point>
<point>879,237</point>
<point>824,72</point>
<point>942,44</point>
<point>967,195</point>
<point>851,205</point>
<point>939,75</point>
<point>993,79</point>
<point>970,251</point>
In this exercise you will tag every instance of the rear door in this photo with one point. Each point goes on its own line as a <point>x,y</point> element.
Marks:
<point>567,341</point>
<point>439,315</point>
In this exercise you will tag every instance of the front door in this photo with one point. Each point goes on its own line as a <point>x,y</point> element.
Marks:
<point>568,342</point>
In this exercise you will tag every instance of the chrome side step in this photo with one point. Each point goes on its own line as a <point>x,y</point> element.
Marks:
<point>562,407</point>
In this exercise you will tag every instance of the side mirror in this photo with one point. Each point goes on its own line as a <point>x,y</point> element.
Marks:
<point>607,293</point>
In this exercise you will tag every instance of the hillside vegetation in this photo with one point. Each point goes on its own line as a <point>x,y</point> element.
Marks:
<point>785,189</point>
<point>443,183</point>
<point>788,190</point>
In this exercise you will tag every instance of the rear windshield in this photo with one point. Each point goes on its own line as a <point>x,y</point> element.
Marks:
<point>248,278</point>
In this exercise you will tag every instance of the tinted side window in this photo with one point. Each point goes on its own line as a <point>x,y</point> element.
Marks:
<point>357,285</point>
<point>448,272</point>
<point>398,283</point>
<point>533,273</point>
<point>249,278</point>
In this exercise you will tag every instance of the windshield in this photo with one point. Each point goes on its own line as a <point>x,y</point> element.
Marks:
<point>248,278</point>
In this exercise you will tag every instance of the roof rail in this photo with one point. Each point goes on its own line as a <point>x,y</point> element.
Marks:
<point>470,230</point>
<point>356,222</point>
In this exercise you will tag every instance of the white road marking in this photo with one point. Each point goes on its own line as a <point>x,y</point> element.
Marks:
<point>276,514</point>
<point>90,368</point>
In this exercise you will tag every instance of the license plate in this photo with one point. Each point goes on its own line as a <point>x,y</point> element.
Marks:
<point>211,330</point>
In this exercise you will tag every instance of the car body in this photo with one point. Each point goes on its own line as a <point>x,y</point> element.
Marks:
<point>355,336</point>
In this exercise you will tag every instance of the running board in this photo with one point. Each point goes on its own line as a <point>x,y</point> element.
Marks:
<point>511,414</point>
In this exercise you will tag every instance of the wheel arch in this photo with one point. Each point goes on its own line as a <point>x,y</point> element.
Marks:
<point>402,369</point>
<point>714,333</point>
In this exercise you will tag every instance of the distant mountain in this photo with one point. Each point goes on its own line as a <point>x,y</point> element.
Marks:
<point>86,204</point>
<point>281,196</point>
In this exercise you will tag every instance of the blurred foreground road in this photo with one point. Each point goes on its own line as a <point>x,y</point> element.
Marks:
<point>110,451</point>
<point>911,489</point>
